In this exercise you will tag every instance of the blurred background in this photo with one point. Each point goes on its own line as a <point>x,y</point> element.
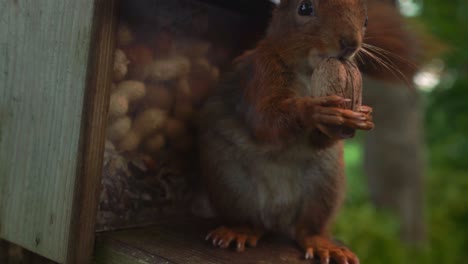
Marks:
<point>379,235</point>
<point>406,180</point>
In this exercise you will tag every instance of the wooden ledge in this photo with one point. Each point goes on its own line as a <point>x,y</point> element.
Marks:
<point>182,242</point>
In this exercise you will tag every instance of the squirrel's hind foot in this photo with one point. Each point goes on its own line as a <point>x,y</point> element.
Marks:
<point>327,251</point>
<point>223,237</point>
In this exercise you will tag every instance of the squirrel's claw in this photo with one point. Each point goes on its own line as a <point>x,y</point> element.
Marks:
<point>223,237</point>
<point>325,250</point>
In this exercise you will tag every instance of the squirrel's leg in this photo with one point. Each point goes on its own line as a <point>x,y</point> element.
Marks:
<point>325,249</point>
<point>223,236</point>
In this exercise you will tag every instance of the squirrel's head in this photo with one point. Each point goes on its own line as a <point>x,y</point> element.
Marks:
<point>320,28</point>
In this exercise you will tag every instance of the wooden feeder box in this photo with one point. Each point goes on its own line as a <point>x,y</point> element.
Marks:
<point>76,186</point>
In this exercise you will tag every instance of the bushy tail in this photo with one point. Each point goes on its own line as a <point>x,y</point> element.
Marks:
<point>391,50</point>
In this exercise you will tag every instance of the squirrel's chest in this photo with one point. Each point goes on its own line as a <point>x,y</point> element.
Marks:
<point>303,84</point>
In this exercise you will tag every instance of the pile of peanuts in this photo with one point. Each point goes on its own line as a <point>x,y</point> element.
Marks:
<point>157,86</point>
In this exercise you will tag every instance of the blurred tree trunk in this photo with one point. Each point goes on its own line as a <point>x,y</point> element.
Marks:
<point>394,162</point>
<point>394,151</point>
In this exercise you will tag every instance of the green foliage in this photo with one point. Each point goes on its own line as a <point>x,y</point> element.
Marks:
<point>374,234</point>
<point>447,109</point>
<point>447,20</point>
<point>447,124</point>
<point>449,215</point>
<point>447,135</point>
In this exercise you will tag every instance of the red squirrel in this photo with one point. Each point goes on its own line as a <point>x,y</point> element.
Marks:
<point>267,166</point>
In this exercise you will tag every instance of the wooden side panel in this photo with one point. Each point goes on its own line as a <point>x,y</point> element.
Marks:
<point>44,53</point>
<point>93,133</point>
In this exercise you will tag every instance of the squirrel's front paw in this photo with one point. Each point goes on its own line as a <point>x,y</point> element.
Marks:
<point>325,114</point>
<point>367,111</point>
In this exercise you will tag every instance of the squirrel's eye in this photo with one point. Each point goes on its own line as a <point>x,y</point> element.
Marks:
<point>366,22</point>
<point>306,8</point>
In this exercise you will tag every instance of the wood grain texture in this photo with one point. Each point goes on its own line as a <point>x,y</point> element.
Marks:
<point>93,133</point>
<point>182,242</point>
<point>117,252</point>
<point>44,52</point>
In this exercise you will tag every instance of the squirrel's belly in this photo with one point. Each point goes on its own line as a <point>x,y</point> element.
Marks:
<point>279,194</point>
<point>267,186</point>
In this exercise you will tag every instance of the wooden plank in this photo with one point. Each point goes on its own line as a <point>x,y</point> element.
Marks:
<point>182,242</point>
<point>44,51</point>
<point>116,252</point>
<point>93,133</point>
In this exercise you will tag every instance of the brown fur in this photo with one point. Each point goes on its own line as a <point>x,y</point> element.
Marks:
<point>388,31</point>
<point>265,161</point>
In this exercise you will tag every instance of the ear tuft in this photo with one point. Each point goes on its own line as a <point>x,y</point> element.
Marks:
<point>283,3</point>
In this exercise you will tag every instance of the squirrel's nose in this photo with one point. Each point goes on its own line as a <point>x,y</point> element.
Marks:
<point>348,47</point>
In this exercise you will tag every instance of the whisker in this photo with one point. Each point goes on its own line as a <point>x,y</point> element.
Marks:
<point>389,62</point>
<point>388,65</point>
<point>359,58</point>
<point>362,53</point>
<point>380,60</point>
<point>383,57</point>
<point>380,50</point>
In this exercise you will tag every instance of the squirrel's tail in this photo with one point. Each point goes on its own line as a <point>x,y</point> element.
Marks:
<point>391,50</point>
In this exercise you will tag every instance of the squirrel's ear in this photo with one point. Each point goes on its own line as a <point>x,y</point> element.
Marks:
<point>283,3</point>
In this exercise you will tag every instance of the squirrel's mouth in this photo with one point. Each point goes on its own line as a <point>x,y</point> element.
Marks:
<point>346,54</point>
